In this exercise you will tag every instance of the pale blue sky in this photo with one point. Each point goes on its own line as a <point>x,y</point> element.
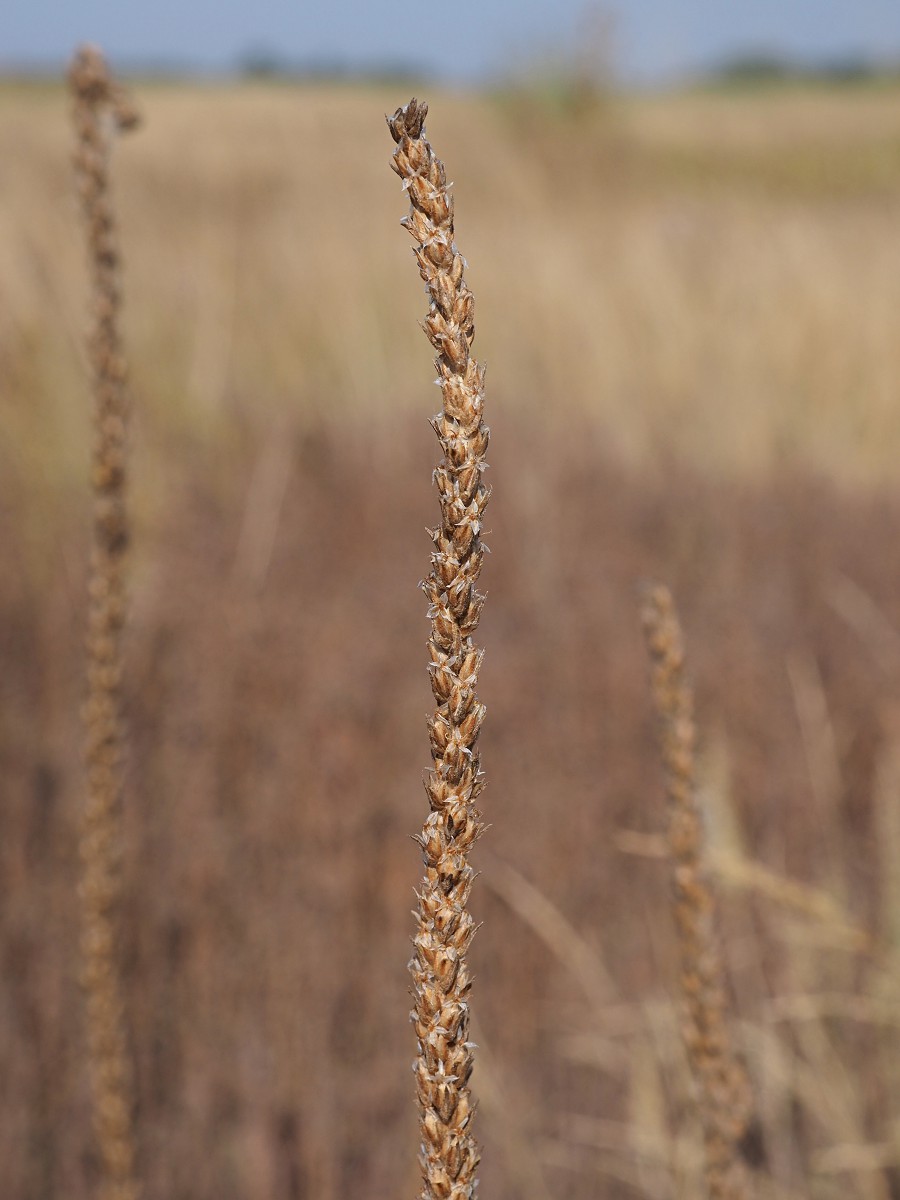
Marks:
<point>459,39</point>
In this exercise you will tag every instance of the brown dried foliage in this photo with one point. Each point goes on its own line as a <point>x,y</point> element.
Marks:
<point>273,730</point>
<point>722,1086</point>
<point>449,1156</point>
<point>99,108</point>
<point>265,922</point>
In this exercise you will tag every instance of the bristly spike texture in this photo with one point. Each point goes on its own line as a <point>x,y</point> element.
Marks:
<point>449,1155</point>
<point>101,108</point>
<point>723,1089</point>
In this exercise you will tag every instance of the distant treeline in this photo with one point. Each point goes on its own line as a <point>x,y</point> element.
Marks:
<point>254,64</point>
<point>261,63</point>
<point>765,69</point>
<point>754,69</point>
<point>749,69</point>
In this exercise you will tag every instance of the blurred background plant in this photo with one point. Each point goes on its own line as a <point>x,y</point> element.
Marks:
<point>573,78</point>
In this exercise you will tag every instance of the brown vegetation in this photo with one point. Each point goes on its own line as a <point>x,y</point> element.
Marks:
<point>723,1098</point>
<point>100,109</point>
<point>444,925</point>
<point>707,316</point>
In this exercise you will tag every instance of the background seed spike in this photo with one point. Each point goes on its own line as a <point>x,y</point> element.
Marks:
<point>96,96</point>
<point>723,1089</point>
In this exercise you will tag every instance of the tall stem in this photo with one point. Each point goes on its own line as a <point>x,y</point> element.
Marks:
<point>722,1087</point>
<point>99,108</point>
<point>449,1155</point>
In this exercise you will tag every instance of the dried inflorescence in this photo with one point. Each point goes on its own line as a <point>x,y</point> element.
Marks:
<point>449,1156</point>
<point>722,1085</point>
<point>100,107</point>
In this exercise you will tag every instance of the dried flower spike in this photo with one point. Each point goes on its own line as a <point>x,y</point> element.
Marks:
<point>100,107</point>
<point>449,1155</point>
<point>722,1086</point>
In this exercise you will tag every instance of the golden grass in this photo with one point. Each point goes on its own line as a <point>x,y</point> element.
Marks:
<point>691,290</point>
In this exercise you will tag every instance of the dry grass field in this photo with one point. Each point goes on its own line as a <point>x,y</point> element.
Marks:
<point>690,311</point>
